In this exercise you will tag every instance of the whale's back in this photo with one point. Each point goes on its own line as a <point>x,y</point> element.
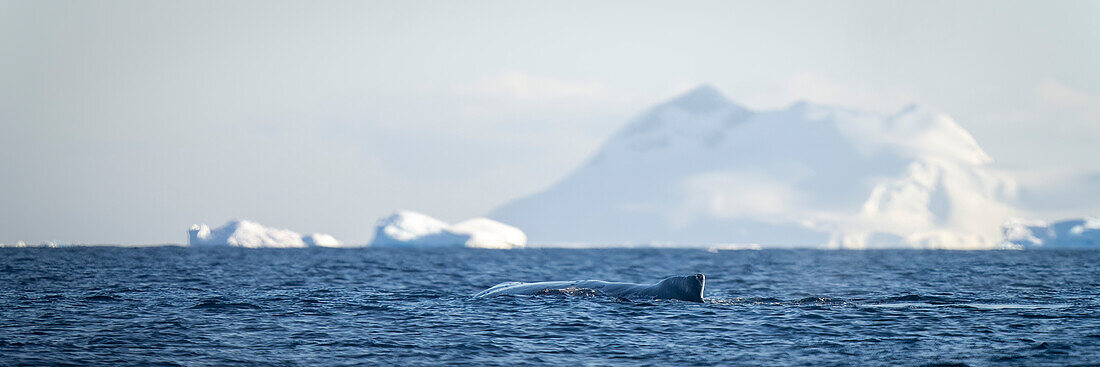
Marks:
<point>520,288</point>
<point>686,288</point>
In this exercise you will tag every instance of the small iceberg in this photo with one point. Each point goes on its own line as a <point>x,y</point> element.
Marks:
<point>47,244</point>
<point>244,233</point>
<point>1033,234</point>
<point>412,229</point>
<point>321,240</point>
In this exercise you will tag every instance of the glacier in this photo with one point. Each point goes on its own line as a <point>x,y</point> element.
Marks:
<point>1064,234</point>
<point>702,170</point>
<point>411,229</point>
<point>244,233</point>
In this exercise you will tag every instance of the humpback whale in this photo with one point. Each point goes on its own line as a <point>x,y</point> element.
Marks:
<point>684,288</point>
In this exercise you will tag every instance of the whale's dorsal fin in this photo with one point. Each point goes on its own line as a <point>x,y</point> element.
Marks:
<point>702,284</point>
<point>686,288</point>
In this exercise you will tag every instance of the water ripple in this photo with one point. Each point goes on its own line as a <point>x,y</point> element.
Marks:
<point>178,306</point>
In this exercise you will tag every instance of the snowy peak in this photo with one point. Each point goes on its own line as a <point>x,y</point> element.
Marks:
<point>698,117</point>
<point>703,99</point>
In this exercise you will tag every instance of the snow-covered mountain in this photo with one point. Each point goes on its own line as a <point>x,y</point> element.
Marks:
<point>243,233</point>
<point>700,169</point>
<point>412,229</point>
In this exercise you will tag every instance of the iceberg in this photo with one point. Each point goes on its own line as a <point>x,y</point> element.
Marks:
<point>44,244</point>
<point>48,244</point>
<point>321,240</point>
<point>411,229</point>
<point>244,233</point>
<point>700,169</point>
<point>1034,234</point>
<point>488,233</point>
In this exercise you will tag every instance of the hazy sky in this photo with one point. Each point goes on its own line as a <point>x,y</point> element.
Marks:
<point>126,122</point>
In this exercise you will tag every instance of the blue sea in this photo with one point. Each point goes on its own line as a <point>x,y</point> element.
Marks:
<point>373,306</point>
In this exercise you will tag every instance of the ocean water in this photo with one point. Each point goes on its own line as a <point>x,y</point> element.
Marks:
<point>229,306</point>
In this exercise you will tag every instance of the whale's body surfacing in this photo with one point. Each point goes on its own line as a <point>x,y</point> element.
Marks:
<point>684,288</point>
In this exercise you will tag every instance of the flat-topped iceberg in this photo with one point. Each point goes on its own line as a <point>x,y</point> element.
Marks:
<point>412,229</point>
<point>244,233</point>
<point>1073,233</point>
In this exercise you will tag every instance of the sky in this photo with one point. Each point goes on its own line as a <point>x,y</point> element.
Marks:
<point>124,122</point>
